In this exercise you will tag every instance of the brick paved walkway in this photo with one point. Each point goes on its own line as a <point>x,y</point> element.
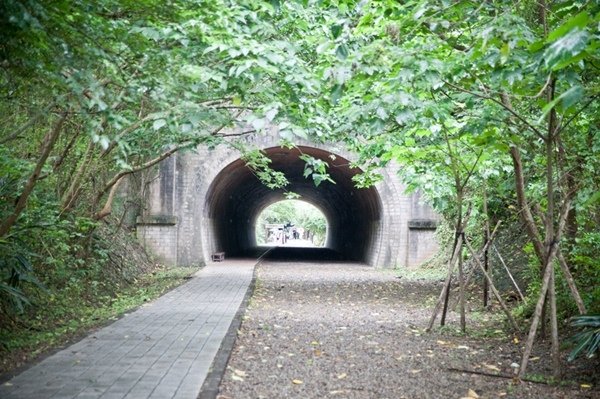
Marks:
<point>162,350</point>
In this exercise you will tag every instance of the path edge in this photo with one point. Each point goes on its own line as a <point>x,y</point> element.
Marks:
<point>212,382</point>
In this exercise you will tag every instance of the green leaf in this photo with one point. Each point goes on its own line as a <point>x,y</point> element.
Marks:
<point>342,52</point>
<point>566,48</point>
<point>336,93</point>
<point>565,100</point>
<point>578,21</point>
<point>159,123</point>
<point>504,53</point>
<point>336,30</point>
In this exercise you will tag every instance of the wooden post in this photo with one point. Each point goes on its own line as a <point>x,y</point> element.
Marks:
<point>446,287</point>
<point>509,274</point>
<point>537,313</point>
<point>486,261</point>
<point>571,282</point>
<point>494,290</point>
<point>461,282</point>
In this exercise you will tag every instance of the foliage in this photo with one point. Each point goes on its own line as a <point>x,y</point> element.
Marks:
<point>64,319</point>
<point>462,95</point>
<point>94,92</point>
<point>467,97</point>
<point>588,339</point>
<point>586,267</point>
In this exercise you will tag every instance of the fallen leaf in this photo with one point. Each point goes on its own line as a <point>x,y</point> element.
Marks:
<point>442,342</point>
<point>318,352</point>
<point>239,372</point>
<point>236,378</point>
<point>516,340</point>
<point>491,367</point>
<point>314,343</point>
<point>585,386</point>
<point>415,371</point>
<point>533,359</point>
<point>472,394</point>
<point>297,382</point>
<point>342,376</point>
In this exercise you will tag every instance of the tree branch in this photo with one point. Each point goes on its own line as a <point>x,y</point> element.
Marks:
<point>572,118</point>
<point>141,167</point>
<point>107,208</point>
<point>502,104</point>
<point>47,146</point>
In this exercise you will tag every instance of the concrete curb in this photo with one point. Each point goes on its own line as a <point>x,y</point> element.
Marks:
<point>210,387</point>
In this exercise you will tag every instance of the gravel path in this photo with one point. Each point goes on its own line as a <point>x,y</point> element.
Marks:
<point>344,330</point>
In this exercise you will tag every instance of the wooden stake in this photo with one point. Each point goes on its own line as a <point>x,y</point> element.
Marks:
<point>461,282</point>
<point>493,287</point>
<point>570,282</point>
<point>537,313</point>
<point>509,274</point>
<point>485,247</point>
<point>446,287</point>
<point>486,261</point>
<point>554,324</point>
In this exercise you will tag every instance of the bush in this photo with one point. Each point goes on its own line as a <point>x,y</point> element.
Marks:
<point>588,339</point>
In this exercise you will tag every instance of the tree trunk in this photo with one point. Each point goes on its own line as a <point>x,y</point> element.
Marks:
<point>525,209</point>
<point>46,148</point>
<point>107,208</point>
<point>544,289</point>
<point>551,239</point>
<point>72,192</point>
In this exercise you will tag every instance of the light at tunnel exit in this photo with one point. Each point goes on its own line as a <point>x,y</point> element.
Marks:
<point>291,223</point>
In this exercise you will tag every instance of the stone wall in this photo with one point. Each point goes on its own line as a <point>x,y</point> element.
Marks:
<point>183,222</point>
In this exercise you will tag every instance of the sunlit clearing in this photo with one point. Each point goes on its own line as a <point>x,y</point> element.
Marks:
<point>291,223</point>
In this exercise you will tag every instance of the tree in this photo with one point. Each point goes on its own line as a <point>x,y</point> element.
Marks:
<point>95,92</point>
<point>516,77</point>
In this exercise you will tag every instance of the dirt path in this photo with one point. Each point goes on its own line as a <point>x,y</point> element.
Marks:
<point>349,331</point>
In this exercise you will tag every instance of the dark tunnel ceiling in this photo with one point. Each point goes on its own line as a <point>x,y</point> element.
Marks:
<point>236,197</point>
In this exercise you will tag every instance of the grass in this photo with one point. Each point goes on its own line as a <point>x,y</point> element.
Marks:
<point>62,319</point>
<point>421,273</point>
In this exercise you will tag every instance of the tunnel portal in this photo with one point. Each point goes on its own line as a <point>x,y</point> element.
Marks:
<point>236,198</point>
<point>205,201</point>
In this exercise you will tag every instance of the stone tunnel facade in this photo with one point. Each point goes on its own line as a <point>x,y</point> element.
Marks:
<point>208,201</point>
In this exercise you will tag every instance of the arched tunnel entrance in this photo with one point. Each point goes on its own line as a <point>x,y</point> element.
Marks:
<point>236,197</point>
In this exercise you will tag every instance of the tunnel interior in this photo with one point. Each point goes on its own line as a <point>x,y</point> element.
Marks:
<point>236,198</point>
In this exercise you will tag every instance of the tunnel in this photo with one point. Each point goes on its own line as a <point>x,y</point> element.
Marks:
<point>236,197</point>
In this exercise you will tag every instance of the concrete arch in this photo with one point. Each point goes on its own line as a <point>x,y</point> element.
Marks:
<point>198,197</point>
<point>236,196</point>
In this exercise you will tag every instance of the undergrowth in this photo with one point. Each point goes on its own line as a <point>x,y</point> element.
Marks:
<point>81,284</point>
